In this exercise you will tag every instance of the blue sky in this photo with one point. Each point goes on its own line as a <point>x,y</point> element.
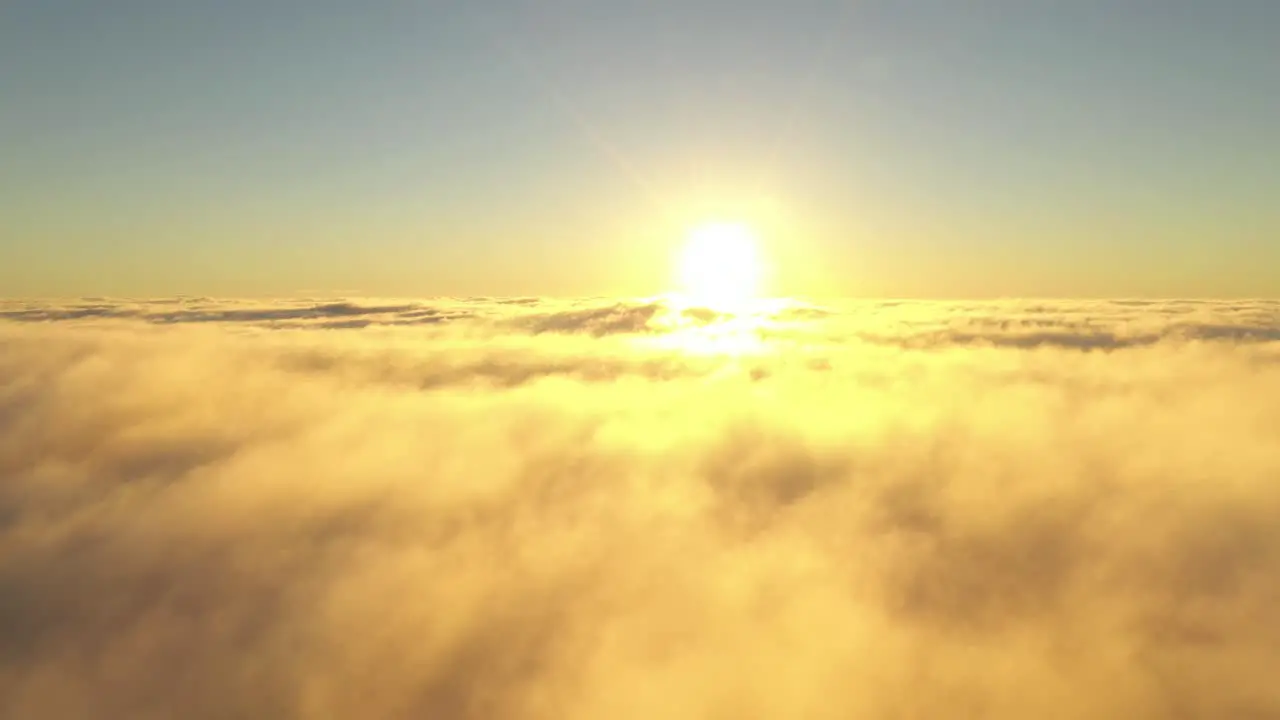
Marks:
<point>920,147</point>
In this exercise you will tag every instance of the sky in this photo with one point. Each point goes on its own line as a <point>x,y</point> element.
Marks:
<point>920,148</point>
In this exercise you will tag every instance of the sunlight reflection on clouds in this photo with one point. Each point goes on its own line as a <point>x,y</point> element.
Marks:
<point>620,508</point>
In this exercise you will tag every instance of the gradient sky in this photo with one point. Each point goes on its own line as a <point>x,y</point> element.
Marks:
<point>941,148</point>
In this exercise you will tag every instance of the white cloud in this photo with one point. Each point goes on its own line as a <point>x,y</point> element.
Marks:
<point>476,508</point>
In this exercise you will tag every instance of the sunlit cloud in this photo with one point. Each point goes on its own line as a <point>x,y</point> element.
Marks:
<point>483,508</point>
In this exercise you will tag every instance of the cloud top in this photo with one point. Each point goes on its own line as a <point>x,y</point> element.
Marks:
<point>477,508</point>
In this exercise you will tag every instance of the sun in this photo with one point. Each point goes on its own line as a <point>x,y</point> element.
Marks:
<point>720,264</point>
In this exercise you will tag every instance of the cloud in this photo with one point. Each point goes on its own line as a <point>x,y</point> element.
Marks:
<point>599,320</point>
<point>474,508</point>
<point>203,311</point>
<point>1103,325</point>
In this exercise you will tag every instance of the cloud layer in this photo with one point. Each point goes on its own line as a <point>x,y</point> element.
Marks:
<point>530,509</point>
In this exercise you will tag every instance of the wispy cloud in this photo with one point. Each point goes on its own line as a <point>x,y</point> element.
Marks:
<point>475,508</point>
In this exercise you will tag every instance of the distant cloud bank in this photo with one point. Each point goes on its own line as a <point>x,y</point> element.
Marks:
<point>551,509</point>
<point>1085,325</point>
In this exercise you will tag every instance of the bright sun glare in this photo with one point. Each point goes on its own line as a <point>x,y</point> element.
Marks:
<point>721,264</point>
